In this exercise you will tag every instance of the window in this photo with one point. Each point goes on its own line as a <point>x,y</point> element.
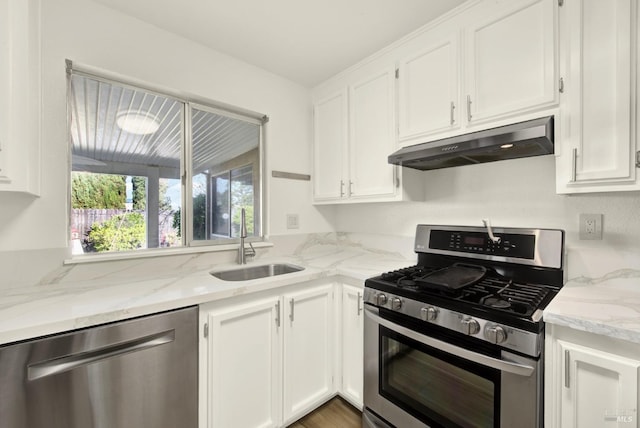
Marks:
<point>137,154</point>
<point>225,175</point>
<point>233,191</point>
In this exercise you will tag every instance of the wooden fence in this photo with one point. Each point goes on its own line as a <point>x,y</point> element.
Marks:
<point>83,219</point>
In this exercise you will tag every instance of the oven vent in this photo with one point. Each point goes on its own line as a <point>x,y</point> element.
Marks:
<point>519,140</point>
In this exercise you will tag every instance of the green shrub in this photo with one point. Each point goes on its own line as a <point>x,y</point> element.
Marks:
<point>120,233</point>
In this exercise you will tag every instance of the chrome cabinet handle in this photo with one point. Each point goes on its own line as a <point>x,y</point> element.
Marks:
<point>567,368</point>
<point>359,304</point>
<point>495,363</point>
<point>74,361</point>
<point>341,188</point>
<point>350,187</point>
<point>468,108</point>
<point>452,120</point>
<point>291,304</point>
<point>574,164</point>
<point>278,314</point>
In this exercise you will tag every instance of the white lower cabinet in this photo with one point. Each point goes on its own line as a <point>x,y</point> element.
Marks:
<point>352,345</point>
<point>308,350</point>
<point>244,364</point>
<point>591,381</point>
<point>266,361</point>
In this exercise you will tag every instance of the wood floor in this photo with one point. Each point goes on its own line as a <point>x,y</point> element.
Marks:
<point>337,413</point>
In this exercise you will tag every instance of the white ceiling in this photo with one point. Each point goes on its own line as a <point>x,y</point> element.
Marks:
<point>306,41</point>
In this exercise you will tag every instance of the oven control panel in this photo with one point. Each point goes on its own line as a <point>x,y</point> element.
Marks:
<point>508,337</point>
<point>507,244</point>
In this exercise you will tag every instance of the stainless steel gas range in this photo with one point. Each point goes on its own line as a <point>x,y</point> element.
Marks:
<point>457,340</point>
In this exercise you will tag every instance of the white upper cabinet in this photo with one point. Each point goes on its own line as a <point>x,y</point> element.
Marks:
<point>510,61</point>
<point>330,144</point>
<point>503,71</point>
<point>354,133</point>
<point>372,136</point>
<point>20,97</point>
<point>598,106</point>
<point>486,64</point>
<point>428,98</point>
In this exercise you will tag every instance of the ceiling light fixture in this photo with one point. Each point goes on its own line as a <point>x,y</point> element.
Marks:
<point>137,123</point>
<point>506,146</point>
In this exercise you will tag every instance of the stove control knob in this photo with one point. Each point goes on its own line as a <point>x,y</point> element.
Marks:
<point>470,326</point>
<point>381,299</point>
<point>396,303</point>
<point>495,334</point>
<point>429,313</point>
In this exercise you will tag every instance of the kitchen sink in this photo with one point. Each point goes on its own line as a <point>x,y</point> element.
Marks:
<point>256,272</point>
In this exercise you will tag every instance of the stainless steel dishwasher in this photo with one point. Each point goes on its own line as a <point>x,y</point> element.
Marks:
<point>131,374</point>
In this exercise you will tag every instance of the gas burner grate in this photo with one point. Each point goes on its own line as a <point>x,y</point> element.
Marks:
<point>406,277</point>
<point>494,291</point>
<point>502,294</point>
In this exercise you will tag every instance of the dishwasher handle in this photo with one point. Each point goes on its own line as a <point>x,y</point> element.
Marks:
<point>70,362</point>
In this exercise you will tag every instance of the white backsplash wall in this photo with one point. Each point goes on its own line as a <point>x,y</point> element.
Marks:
<point>518,193</point>
<point>41,268</point>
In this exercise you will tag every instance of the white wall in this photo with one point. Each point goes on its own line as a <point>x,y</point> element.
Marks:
<point>33,231</point>
<point>91,34</point>
<point>518,193</point>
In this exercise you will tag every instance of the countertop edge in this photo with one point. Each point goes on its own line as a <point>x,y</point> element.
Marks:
<point>593,327</point>
<point>216,290</point>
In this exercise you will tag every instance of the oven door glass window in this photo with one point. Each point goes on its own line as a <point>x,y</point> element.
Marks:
<point>438,388</point>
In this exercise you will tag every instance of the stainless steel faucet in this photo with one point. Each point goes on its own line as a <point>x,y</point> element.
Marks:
<point>242,252</point>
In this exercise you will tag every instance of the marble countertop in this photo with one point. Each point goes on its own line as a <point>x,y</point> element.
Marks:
<point>609,305</point>
<point>72,303</point>
<point>81,296</point>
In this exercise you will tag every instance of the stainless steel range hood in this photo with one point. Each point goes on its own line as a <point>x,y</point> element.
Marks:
<point>519,140</point>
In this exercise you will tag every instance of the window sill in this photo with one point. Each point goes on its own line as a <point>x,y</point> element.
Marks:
<point>157,252</point>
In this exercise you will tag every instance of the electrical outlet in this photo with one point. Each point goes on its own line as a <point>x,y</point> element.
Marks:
<point>293,221</point>
<point>590,226</point>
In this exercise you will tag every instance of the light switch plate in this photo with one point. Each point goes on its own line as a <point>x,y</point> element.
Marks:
<point>293,221</point>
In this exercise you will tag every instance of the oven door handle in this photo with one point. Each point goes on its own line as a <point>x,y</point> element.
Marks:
<point>505,366</point>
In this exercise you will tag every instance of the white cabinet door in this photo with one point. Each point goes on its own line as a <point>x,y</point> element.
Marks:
<point>600,389</point>
<point>510,61</point>
<point>330,147</point>
<point>20,97</point>
<point>244,359</point>
<point>372,136</point>
<point>428,98</point>
<point>599,51</point>
<point>352,344</point>
<point>308,350</point>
